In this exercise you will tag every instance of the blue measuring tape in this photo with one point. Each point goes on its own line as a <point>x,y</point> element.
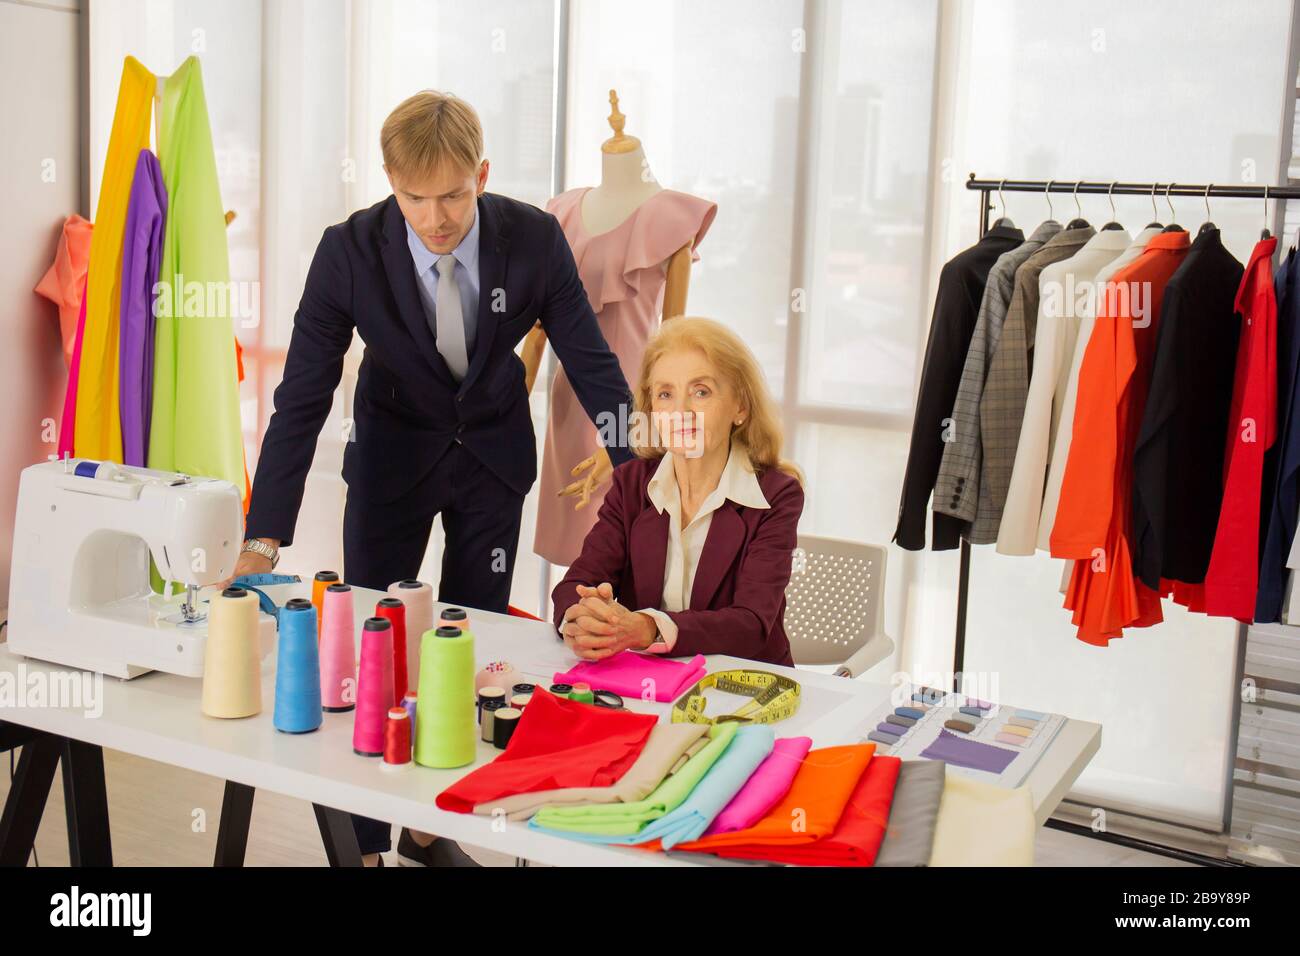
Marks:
<point>255,582</point>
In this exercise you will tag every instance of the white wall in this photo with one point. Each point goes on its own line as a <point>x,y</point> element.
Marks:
<point>39,106</point>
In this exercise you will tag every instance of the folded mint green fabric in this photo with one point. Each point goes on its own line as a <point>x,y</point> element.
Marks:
<point>620,822</point>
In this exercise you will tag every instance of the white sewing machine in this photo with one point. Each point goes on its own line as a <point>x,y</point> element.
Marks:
<point>79,591</point>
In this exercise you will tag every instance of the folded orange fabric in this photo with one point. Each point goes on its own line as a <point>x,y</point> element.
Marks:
<point>810,811</point>
<point>857,836</point>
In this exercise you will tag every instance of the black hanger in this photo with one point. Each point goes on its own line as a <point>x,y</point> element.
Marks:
<point>1173,226</point>
<point>1155,223</point>
<point>1078,222</point>
<point>1112,225</point>
<point>1003,219</point>
<point>1264,233</point>
<point>1208,225</point>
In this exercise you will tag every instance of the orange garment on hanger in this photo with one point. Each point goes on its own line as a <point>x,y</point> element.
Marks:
<point>811,809</point>
<point>1094,518</point>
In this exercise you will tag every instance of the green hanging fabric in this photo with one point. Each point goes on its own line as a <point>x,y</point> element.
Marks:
<point>194,424</point>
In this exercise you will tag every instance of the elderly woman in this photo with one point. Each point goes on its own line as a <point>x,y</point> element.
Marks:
<point>696,533</point>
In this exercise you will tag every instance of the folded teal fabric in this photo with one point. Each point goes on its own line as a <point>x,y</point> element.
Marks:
<point>621,822</point>
<point>750,747</point>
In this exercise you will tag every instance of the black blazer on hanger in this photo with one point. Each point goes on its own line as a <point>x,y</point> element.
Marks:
<point>1178,459</point>
<point>956,306</point>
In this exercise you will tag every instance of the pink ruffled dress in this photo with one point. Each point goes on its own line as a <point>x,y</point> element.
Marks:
<point>624,272</point>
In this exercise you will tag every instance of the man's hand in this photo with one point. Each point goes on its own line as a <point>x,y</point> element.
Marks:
<point>598,626</point>
<point>250,562</point>
<point>598,468</point>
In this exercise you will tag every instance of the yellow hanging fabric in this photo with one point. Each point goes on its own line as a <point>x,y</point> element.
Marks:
<point>98,427</point>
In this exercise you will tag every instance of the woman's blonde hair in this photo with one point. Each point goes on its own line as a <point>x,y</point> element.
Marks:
<point>761,431</point>
<point>429,129</point>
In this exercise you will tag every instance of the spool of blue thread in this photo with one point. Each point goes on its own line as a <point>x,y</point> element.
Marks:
<point>297,670</point>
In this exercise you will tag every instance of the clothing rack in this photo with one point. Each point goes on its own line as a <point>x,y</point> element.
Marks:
<point>986,188</point>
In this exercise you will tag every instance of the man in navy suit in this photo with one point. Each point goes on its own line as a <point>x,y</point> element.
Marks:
<point>441,280</point>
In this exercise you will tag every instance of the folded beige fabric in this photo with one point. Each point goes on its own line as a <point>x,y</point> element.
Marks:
<point>981,824</point>
<point>668,746</point>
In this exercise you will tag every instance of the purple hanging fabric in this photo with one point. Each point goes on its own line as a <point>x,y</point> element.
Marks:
<point>142,241</point>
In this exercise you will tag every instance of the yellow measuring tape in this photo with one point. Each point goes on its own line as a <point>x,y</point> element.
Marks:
<point>774,698</point>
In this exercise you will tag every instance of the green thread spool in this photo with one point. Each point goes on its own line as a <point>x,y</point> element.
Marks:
<point>445,725</point>
<point>582,693</point>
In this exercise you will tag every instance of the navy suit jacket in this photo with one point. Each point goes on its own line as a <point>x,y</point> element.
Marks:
<point>737,604</point>
<point>408,409</point>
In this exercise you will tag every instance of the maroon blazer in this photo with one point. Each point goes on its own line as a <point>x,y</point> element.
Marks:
<point>737,604</point>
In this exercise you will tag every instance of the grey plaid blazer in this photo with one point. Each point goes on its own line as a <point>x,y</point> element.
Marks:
<point>956,490</point>
<point>1002,407</point>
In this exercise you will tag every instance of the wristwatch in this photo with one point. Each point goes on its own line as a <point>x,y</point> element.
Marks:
<point>265,550</point>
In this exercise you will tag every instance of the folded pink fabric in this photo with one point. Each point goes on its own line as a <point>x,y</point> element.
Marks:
<point>766,787</point>
<point>630,674</point>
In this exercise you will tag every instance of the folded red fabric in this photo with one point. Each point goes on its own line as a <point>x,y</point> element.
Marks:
<point>857,837</point>
<point>558,743</point>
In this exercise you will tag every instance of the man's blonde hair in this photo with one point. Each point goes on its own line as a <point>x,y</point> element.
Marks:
<point>429,130</point>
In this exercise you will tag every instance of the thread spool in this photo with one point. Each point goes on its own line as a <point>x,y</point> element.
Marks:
<point>497,674</point>
<point>232,685</point>
<point>418,599</point>
<point>520,701</point>
<point>503,726</point>
<point>395,611</point>
<point>490,693</point>
<point>454,617</point>
<point>490,709</point>
<point>374,687</point>
<point>561,690</point>
<point>338,650</point>
<point>297,670</point>
<point>397,738</point>
<point>319,583</point>
<point>607,698</point>
<point>409,702</point>
<point>444,716</point>
<point>582,693</point>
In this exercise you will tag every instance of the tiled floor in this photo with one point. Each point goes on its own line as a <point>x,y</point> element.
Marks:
<point>164,816</point>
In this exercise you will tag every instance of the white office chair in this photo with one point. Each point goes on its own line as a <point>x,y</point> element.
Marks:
<point>835,605</point>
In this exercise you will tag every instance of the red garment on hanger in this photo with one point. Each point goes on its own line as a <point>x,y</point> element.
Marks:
<point>1233,575</point>
<point>558,743</point>
<point>1094,518</point>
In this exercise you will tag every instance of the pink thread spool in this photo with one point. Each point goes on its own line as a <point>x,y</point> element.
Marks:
<point>418,598</point>
<point>374,687</point>
<point>338,651</point>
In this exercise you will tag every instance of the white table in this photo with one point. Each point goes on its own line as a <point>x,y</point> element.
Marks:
<point>157,716</point>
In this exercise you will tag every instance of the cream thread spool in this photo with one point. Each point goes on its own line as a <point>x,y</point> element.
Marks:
<point>232,679</point>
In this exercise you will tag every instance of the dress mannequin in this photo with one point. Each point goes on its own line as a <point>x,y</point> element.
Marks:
<point>625,183</point>
<point>634,242</point>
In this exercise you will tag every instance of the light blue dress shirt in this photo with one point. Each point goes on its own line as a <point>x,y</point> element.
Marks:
<point>467,280</point>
